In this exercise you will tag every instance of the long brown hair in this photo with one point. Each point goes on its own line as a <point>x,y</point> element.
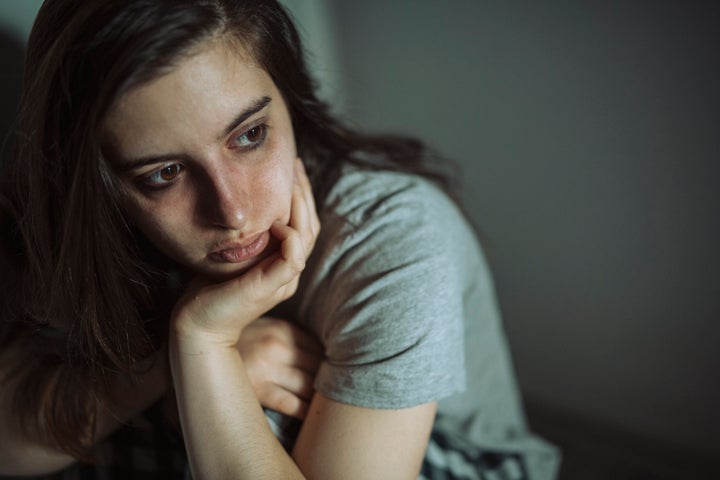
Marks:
<point>83,299</point>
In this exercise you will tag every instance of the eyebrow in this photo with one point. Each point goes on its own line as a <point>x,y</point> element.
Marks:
<point>134,163</point>
<point>256,106</point>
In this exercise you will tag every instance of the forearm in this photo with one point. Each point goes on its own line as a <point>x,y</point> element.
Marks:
<point>22,452</point>
<point>26,451</point>
<point>20,455</point>
<point>226,433</point>
<point>130,395</point>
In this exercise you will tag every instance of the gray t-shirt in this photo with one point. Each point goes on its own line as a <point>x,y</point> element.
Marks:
<point>400,295</point>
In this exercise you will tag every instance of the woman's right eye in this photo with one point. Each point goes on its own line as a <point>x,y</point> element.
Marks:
<point>163,177</point>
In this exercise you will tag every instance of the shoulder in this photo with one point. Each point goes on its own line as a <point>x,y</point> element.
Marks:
<point>384,290</point>
<point>359,194</point>
<point>384,219</point>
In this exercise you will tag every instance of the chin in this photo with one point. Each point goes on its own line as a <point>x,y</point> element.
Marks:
<point>227,273</point>
<point>229,270</point>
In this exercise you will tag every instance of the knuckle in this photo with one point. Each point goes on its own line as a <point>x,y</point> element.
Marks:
<point>288,404</point>
<point>297,264</point>
<point>290,289</point>
<point>272,345</point>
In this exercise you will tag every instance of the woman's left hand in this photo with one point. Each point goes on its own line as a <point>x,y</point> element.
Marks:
<point>216,313</point>
<point>281,362</point>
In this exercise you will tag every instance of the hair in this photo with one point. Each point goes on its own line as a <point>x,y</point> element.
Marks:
<point>83,299</point>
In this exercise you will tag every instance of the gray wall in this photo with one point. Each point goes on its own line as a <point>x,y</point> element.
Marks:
<point>16,16</point>
<point>588,133</point>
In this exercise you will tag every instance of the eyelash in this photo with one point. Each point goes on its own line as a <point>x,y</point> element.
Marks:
<point>257,143</point>
<point>147,182</point>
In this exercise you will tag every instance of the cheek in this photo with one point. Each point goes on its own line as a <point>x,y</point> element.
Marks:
<point>278,181</point>
<point>156,225</point>
<point>280,185</point>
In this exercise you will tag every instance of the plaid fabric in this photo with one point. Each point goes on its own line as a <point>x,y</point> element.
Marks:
<point>145,449</point>
<point>452,458</point>
<point>149,450</point>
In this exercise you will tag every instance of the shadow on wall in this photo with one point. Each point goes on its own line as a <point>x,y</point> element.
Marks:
<point>588,137</point>
<point>11,56</point>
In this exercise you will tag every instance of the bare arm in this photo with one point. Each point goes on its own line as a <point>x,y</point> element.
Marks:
<point>227,435</point>
<point>281,361</point>
<point>354,443</point>
<point>225,430</point>
<point>23,454</point>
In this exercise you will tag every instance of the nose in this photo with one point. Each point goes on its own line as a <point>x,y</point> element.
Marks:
<point>225,201</point>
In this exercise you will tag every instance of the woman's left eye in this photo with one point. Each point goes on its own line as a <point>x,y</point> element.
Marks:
<point>252,138</point>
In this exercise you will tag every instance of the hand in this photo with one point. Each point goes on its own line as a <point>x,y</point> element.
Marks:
<point>216,313</point>
<point>281,361</point>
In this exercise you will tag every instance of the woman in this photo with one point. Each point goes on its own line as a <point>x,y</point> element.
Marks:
<point>158,207</point>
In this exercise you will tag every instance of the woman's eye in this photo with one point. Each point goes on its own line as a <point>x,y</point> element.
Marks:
<point>163,176</point>
<point>252,138</point>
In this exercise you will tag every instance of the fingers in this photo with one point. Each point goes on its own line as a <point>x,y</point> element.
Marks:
<point>287,403</point>
<point>279,273</point>
<point>289,394</point>
<point>276,277</point>
<point>303,215</point>
<point>296,381</point>
<point>285,389</point>
<point>281,360</point>
<point>271,352</point>
<point>306,342</point>
<point>214,307</point>
<point>306,187</point>
<point>283,269</point>
<point>305,361</point>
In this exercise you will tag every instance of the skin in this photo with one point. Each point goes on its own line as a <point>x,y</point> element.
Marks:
<point>207,188</point>
<point>222,194</point>
<point>216,183</point>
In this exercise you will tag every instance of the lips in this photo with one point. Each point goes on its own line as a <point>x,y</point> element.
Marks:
<point>236,252</point>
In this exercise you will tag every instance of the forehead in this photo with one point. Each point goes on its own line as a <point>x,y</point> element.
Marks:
<point>191,102</point>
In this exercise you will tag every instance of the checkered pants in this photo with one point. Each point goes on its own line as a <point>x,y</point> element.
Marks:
<point>152,451</point>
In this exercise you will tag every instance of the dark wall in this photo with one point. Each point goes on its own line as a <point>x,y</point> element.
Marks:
<point>589,137</point>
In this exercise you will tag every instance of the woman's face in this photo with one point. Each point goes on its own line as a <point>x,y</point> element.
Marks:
<point>206,154</point>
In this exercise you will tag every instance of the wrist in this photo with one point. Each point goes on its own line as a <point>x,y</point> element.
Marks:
<point>192,341</point>
<point>187,335</point>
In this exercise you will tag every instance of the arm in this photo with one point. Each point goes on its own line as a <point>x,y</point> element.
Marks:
<point>23,453</point>
<point>348,442</point>
<point>20,455</point>
<point>225,430</point>
<point>280,358</point>
<point>226,433</point>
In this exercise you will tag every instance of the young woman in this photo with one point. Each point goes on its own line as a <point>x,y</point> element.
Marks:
<point>168,293</point>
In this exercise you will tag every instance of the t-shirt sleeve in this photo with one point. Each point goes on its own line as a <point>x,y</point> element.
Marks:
<point>389,309</point>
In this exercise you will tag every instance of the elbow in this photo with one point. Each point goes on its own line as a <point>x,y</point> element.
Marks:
<point>31,460</point>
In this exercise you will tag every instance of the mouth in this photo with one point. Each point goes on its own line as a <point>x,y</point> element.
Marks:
<point>236,252</point>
